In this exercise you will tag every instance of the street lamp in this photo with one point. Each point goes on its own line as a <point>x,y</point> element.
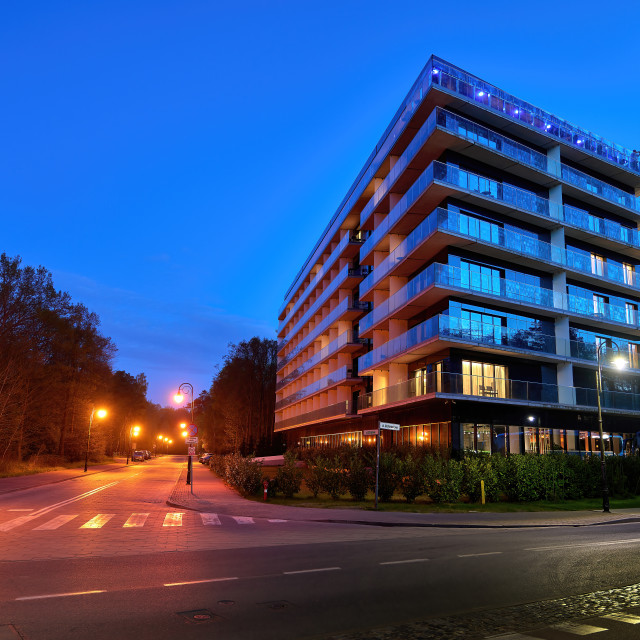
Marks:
<point>179,397</point>
<point>620,363</point>
<point>133,431</point>
<point>101,414</point>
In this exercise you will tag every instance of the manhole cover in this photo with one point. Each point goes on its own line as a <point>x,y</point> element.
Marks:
<point>226,602</point>
<point>199,615</point>
<point>276,604</point>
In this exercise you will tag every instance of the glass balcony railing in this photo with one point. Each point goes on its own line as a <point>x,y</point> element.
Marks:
<point>328,381</point>
<point>600,226</point>
<point>496,389</point>
<point>477,91</point>
<point>493,234</point>
<point>338,409</point>
<point>344,306</point>
<point>456,278</point>
<point>324,269</point>
<point>335,345</point>
<point>458,178</point>
<point>600,188</point>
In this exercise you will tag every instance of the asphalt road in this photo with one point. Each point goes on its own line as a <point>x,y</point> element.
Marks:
<point>103,556</point>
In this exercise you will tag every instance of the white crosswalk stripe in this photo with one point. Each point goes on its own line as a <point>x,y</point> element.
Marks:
<point>243,520</point>
<point>97,522</point>
<point>623,617</point>
<point>16,522</point>
<point>578,629</point>
<point>56,522</point>
<point>173,520</point>
<point>210,518</point>
<point>136,520</point>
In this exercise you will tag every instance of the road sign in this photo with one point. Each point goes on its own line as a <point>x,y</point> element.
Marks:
<point>192,440</point>
<point>370,432</point>
<point>192,451</point>
<point>192,430</point>
<point>390,425</point>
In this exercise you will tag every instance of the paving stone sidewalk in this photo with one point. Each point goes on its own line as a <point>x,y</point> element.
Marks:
<point>210,494</point>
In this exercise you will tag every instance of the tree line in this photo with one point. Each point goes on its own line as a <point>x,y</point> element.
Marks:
<point>55,367</point>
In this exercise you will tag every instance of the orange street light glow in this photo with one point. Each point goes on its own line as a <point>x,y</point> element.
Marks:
<point>178,397</point>
<point>101,413</point>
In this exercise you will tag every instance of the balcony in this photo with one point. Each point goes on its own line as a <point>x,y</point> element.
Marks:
<point>346,310</point>
<point>407,256</point>
<point>343,375</point>
<point>344,342</point>
<point>581,142</point>
<point>338,410</point>
<point>443,385</point>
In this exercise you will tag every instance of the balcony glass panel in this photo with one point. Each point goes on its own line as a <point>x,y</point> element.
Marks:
<point>329,380</point>
<point>599,188</point>
<point>475,90</point>
<point>340,408</point>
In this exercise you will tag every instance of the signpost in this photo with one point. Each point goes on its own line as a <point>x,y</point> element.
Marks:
<point>192,430</point>
<point>390,426</point>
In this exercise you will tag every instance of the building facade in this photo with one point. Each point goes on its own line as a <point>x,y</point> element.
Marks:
<point>484,262</point>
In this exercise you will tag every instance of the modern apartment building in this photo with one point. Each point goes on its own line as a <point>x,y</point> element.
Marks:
<point>483,263</point>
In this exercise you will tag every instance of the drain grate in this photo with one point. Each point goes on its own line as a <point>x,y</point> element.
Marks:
<point>199,615</point>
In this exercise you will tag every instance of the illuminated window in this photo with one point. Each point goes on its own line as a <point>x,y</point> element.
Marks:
<point>597,264</point>
<point>633,355</point>
<point>484,379</point>
<point>628,271</point>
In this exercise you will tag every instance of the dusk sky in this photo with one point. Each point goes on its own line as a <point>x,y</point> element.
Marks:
<point>173,163</point>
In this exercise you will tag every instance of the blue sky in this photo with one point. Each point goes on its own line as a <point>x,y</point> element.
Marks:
<point>173,163</point>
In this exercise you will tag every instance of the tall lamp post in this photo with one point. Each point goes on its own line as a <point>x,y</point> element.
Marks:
<point>620,363</point>
<point>133,431</point>
<point>179,397</point>
<point>101,414</point>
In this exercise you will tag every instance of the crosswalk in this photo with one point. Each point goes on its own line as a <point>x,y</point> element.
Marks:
<point>130,521</point>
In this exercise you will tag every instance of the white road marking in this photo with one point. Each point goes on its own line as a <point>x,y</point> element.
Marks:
<point>58,521</point>
<point>16,522</point>
<point>623,617</point>
<point>475,555</point>
<point>97,522</point>
<point>44,510</point>
<point>291,573</point>
<point>276,520</point>
<point>243,520</point>
<point>136,520</point>
<point>173,519</point>
<point>585,544</point>
<point>578,629</point>
<point>19,509</point>
<point>510,636</point>
<point>210,518</point>
<point>62,595</point>
<point>179,584</point>
<point>406,561</point>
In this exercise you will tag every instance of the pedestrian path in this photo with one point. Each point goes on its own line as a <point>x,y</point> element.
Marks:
<point>129,521</point>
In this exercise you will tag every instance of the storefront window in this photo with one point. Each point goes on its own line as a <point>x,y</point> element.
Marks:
<point>483,438</point>
<point>515,439</point>
<point>530,443</point>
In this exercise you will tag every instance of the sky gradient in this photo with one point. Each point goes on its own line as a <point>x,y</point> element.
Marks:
<point>173,163</point>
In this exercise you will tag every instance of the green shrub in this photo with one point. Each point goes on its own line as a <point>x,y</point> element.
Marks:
<point>411,477</point>
<point>358,479</point>
<point>244,474</point>
<point>288,477</point>
<point>443,478</point>
<point>313,477</point>
<point>389,475</point>
<point>332,477</point>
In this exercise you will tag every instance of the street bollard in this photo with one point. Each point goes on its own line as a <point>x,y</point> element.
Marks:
<point>482,490</point>
<point>266,487</point>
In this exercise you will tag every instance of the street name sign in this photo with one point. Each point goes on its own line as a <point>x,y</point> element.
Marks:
<point>390,425</point>
<point>370,432</point>
<point>192,440</point>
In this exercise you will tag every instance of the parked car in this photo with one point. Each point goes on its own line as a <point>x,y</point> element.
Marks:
<point>147,454</point>
<point>137,456</point>
<point>204,458</point>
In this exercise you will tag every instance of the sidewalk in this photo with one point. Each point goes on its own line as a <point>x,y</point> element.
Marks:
<point>20,483</point>
<point>210,494</point>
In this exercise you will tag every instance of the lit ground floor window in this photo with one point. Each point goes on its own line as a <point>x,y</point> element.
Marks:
<point>352,438</point>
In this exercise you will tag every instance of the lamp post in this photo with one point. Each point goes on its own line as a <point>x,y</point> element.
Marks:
<point>101,414</point>
<point>620,363</point>
<point>179,397</point>
<point>133,431</point>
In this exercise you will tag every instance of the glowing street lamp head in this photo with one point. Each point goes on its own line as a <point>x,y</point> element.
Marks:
<point>619,363</point>
<point>184,434</point>
<point>179,397</point>
<point>101,413</point>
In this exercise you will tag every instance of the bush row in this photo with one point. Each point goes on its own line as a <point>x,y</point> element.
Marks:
<point>413,473</point>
